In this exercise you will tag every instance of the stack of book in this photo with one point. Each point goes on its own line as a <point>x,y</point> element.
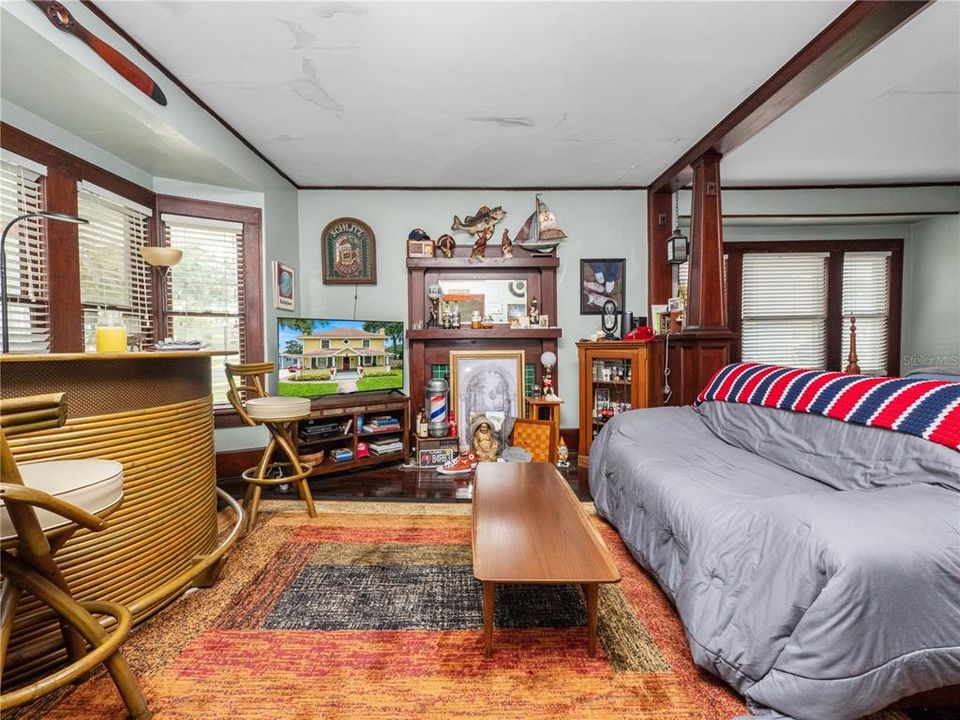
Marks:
<point>382,423</point>
<point>386,447</point>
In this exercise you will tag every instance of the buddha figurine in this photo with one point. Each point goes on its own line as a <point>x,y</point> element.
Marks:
<point>484,443</point>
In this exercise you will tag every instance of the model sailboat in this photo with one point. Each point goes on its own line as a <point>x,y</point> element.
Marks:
<point>541,233</point>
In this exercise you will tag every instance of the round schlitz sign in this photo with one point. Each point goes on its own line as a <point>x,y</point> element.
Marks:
<point>349,253</point>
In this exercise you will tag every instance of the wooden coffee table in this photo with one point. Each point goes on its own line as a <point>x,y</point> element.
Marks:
<point>529,527</point>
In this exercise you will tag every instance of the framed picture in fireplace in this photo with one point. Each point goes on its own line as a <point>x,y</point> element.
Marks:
<point>485,381</point>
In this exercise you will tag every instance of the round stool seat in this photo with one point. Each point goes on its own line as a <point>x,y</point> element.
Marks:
<point>92,485</point>
<point>277,408</point>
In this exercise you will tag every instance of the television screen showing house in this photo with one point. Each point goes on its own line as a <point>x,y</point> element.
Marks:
<point>324,357</point>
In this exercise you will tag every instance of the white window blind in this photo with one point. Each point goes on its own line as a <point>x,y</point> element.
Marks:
<point>29,307</point>
<point>205,298</point>
<point>784,309</point>
<point>113,274</point>
<point>866,283</point>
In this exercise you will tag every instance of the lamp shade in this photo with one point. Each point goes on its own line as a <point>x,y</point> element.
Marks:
<point>548,359</point>
<point>161,256</point>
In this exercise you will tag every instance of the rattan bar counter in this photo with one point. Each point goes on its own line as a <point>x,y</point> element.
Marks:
<point>153,412</point>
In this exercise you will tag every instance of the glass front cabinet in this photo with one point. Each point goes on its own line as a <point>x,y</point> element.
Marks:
<point>614,378</point>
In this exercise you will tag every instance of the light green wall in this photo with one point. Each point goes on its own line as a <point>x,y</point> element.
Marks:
<point>931,295</point>
<point>599,224</point>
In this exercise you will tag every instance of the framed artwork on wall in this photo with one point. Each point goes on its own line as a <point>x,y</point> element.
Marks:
<point>602,279</point>
<point>485,382</point>
<point>349,253</point>
<point>284,286</point>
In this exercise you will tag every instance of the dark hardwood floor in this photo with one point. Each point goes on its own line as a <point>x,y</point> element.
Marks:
<point>395,483</point>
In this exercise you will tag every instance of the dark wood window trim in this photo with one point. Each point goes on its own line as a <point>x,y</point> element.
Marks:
<point>64,172</point>
<point>251,218</point>
<point>835,327</point>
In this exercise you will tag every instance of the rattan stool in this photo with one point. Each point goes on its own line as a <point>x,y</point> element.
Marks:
<point>43,505</point>
<point>278,415</point>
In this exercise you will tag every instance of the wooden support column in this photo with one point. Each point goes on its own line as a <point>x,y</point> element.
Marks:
<point>63,262</point>
<point>659,226</point>
<point>706,306</point>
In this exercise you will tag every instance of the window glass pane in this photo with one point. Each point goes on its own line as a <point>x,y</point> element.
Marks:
<point>205,298</point>
<point>218,333</point>
<point>784,309</point>
<point>29,322</point>
<point>207,280</point>
<point>113,273</point>
<point>866,280</point>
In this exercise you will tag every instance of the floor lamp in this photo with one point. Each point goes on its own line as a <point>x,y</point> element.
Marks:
<point>162,258</point>
<point>61,217</point>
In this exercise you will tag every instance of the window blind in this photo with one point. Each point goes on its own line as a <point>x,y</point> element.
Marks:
<point>205,294</point>
<point>29,306</point>
<point>784,309</point>
<point>866,283</point>
<point>113,274</point>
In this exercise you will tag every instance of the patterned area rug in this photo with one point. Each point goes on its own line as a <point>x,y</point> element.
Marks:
<point>371,611</point>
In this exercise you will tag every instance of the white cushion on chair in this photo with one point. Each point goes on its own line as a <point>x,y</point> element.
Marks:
<point>92,485</point>
<point>278,408</point>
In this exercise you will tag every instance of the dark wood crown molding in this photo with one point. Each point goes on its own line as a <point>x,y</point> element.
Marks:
<point>851,35</point>
<point>841,186</point>
<point>176,81</point>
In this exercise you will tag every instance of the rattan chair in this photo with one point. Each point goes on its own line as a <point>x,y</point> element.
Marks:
<point>279,415</point>
<point>43,505</point>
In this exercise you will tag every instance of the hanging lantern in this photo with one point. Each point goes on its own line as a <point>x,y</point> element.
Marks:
<point>678,245</point>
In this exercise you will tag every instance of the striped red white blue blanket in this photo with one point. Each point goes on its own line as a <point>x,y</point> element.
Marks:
<point>929,409</point>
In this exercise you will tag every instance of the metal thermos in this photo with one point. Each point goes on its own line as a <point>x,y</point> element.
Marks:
<point>436,394</point>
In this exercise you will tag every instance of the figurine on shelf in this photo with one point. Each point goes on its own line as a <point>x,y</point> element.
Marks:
<point>534,312</point>
<point>484,442</point>
<point>563,454</point>
<point>447,245</point>
<point>506,244</point>
<point>480,244</point>
<point>434,294</point>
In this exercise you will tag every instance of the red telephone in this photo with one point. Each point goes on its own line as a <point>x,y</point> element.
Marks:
<point>641,334</point>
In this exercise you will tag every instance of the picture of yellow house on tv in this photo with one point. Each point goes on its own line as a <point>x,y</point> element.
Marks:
<point>323,357</point>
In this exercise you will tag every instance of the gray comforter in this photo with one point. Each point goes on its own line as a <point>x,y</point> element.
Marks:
<point>815,564</point>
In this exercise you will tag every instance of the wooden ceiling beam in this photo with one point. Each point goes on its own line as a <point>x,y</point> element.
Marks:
<point>851,35</point>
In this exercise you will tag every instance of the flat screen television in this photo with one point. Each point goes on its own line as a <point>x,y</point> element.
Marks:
<point>320,357</point>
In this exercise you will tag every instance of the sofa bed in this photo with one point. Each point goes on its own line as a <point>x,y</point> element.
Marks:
<point>814,559</point>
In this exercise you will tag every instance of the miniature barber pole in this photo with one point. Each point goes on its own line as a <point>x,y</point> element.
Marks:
<point>435,401</point>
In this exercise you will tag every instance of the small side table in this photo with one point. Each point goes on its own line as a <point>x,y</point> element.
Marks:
<point>542,409</point>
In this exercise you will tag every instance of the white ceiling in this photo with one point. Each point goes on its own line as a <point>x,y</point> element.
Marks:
<point>894,115</point>
<point>473,94</point>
